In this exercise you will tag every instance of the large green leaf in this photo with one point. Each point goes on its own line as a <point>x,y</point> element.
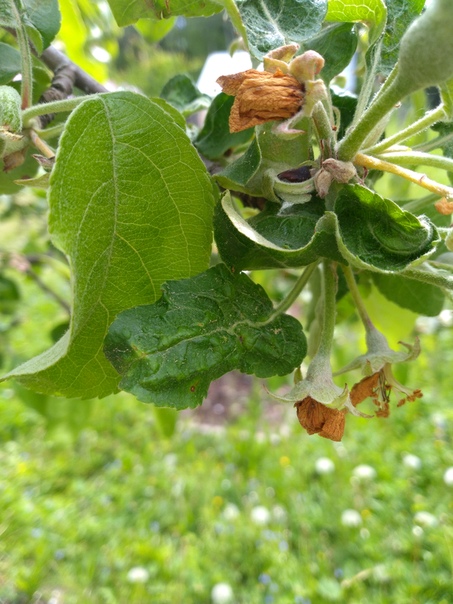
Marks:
<point>371,12</point>
<point>290,237</point>
<point>400,15</point>
<point>215,138</point>
<point>422,298</point>
<point>337,43</point>
<point>169,352</point>
<point>274,23</point>
<point>374,232</point>
<point>131,205</point>
<point>129,12</point>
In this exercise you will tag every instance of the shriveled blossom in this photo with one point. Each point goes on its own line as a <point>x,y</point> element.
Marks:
<point>379,380</point>
<point>285,88</point>
<point>261,97</point>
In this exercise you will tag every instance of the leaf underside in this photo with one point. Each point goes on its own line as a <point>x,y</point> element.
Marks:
<point>131,206</point>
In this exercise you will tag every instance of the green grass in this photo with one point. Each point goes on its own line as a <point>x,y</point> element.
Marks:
<point>80,511</point>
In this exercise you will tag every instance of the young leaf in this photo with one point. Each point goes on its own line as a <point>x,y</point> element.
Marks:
<point>131,205</point>
<point>182,94</point>
<point>169,352</point>
<point>274,23</point>
<point>401,13</point>
<point>215,138</point>
<point>127,13</point>
<point>374,232</point>
<point>275,238</point>
<point>422,298</point>
<point>337,43</point>
<point>371,12</point>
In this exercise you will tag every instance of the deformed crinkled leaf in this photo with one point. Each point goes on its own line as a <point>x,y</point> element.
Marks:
<point>400,14</point>
<point>215,138</point>
<point>290,237</point>
<point>127,13</point>
<point>169,352</point>
<point>274,23</point>
<point>374,232</point>
<point>422,298</point>
<point>131,206</point>
<point>371,12</point>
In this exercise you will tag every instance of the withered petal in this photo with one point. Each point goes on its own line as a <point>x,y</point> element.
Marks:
<point>317,418</point>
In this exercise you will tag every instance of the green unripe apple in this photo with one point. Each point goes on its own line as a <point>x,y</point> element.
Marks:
<point>426,51</point>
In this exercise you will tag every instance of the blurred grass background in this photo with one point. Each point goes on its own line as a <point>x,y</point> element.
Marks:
<point>111,502</point>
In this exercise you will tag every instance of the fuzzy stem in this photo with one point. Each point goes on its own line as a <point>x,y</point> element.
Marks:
<point>24,48</point>
<point>54,107</point>
<point>329,310</point>
<point>383,103</point>
<point>417,158</point>
<point>323,128</point>
<point>436,115</point>
<point>357,298</point>
<point>432,277</point>
<point>419,179</point>
<point>41,145</point>
<point>435,143</point>
<point>289,300</point>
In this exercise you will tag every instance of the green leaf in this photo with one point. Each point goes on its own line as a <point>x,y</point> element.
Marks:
<point>422,298</point>
<point>45,16</point>
<point>154,31</point>
<point>10,63</point>
<point>269,154</point>
<point>371,12</point>
<point>184,96</point>
<point>131,205</point>
<point>215,138</point>
<point>8,19</point>
<point>346,102</point>
<point>127,13</point>
<point>291,237</point>
<point>273,23</point>
<point>376,233</point>
<point>169,352</point>
<point>337,43</point>
<point>400,15</point>
<point>8,184</point>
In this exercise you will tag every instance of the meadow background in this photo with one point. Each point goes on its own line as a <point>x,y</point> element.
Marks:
<point>112,502</point>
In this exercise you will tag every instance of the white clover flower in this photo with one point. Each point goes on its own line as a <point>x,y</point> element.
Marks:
<point>260,515</point>
<point>425,519</point>
<point>364,472</point>
<point>448,477</point>
<point>412,462</point>
<point>138,574</point>
<point>324,465</point>
<point>279,513</point>
<point>222,593</point>
<point>351,518</point>
<point>230,512</point>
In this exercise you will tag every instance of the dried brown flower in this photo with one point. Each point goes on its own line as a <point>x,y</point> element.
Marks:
<point>317,418</point>
<point>261,97</point>
<point>444,207</point>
